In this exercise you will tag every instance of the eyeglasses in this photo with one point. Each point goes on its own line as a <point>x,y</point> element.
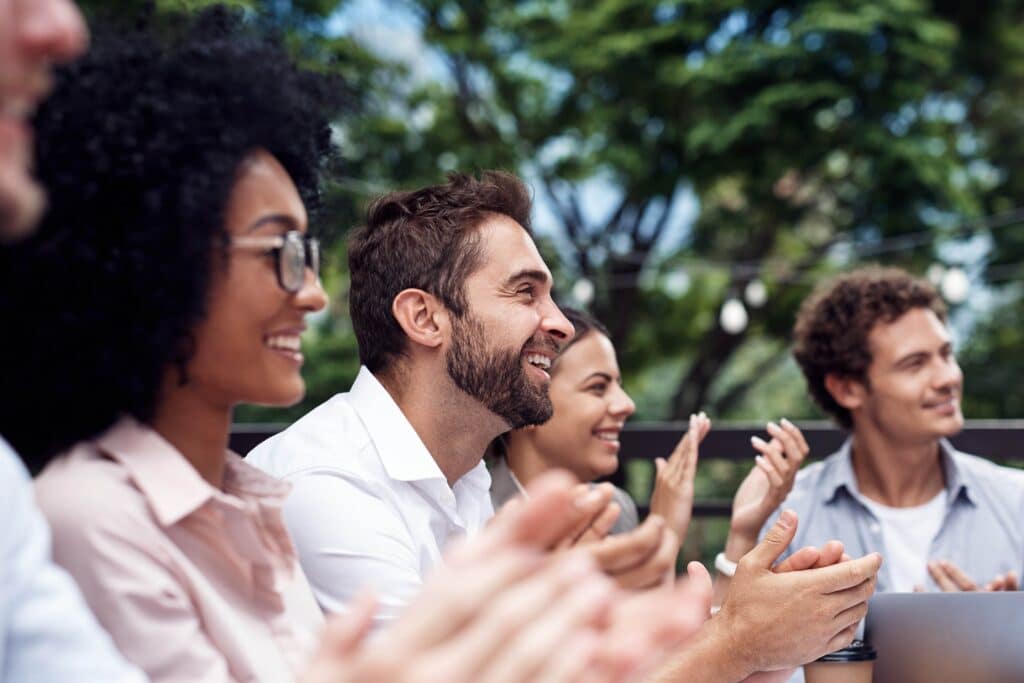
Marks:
<point>293,252</point>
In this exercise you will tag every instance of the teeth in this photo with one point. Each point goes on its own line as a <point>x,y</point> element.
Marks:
<point>541,361</point>
<point>607,436</point>
<point>288,342</point>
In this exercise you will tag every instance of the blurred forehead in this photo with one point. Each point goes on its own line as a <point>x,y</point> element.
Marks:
<point>918,330</point>
<point>593,353</point>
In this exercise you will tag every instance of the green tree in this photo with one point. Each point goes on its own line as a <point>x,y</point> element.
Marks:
<point>811,133</point>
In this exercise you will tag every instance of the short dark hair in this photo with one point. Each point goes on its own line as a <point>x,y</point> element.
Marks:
<point>139,147</point>
<point>832,327</point>
<point>584,324</point>
<point>425,239</point>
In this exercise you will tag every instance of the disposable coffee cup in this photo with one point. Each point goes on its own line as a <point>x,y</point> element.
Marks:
<point>853,664</point>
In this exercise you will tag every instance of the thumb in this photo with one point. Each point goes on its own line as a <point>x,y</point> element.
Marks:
<point>775,542</point>
<point>343,635</point>
<point>659,465</point>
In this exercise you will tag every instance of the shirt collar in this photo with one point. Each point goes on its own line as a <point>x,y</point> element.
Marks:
<point>404,455</point>
<point>172,487</point>
<point>839,473</point>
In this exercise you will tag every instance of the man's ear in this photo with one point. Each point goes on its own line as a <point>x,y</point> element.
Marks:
<point>847,391</point>
<point>422,317</point>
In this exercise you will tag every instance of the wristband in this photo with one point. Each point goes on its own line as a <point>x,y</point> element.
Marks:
<point>724,565</point>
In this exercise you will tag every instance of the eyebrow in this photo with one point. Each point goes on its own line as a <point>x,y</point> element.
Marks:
<point>603,375</point>
<point>528,274</point>
<point>281,218</point>
<point>910,355</point>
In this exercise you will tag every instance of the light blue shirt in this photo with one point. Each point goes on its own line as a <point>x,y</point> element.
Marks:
<point>47,632</point>
<point>982,530</point>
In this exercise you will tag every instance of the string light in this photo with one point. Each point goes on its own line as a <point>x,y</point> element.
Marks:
<point>756,293</point>
<point>733,317</point>
<point>955,285</point>
<point>583,292</point>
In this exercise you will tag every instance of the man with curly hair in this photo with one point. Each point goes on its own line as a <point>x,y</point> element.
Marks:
<point>875,350</point>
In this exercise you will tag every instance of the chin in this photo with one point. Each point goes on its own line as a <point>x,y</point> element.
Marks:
<point>604,465</point>
<point>282,396</point>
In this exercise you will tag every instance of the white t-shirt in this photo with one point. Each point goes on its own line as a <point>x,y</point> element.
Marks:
<point>907,535</point>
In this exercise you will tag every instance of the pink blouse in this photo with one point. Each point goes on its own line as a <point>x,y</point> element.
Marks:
<point>193,583</point>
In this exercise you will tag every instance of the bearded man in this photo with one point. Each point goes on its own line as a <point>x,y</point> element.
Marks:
<point>451,305</point>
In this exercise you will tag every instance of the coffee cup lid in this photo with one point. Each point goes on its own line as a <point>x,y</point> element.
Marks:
<point>858,651</point>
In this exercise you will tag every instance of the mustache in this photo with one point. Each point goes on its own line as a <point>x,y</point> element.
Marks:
<point>544,342</point>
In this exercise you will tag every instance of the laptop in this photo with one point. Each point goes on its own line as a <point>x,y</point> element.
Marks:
<point>947,637</point>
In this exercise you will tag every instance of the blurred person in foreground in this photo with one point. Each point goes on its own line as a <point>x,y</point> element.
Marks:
<point>452,307</point>
<point>46,631</point>
<point>590,408</point>
<point>168,283</point>
<point>874,347</point>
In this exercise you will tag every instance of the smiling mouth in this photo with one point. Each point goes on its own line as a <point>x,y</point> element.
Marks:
<point>287,344</point>
<point>539,360</point>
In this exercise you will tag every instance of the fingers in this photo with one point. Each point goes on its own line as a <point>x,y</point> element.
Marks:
<point>949,578</point>
<point>1011,581</point>
<point>792,440</point>
<point>589,504</point>
<point>831,553</point>
<point>852,615</point>
<point>456,594</point>
<point>654,570</point>
<point>842,639</point>
<point>539,521</point>
<point>566,595</point>
<point>570,663</point>
<point>520,653</point>
<point>797,434</point>
<point>775,542</point>
<point>805,558</point>
<point>344,634</point>
<point>616,554</point>
<point>847,575</point>
<point>770,460</point>
<point>843,600</point>
<point>602,526</point>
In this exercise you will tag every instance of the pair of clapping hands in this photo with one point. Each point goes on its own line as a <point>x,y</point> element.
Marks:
<point>644,557</point>
<point>771,480</point>
<point>505,608</point>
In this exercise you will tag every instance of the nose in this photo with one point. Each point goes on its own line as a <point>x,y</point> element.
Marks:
<point>556,324</point>
<point>312,297</point>
<point>949,376</point>
<point>621,406</point>
<point>50,30</point>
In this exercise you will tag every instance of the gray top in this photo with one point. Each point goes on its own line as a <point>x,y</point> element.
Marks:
<point>503,489</point>
<point>982,529</point>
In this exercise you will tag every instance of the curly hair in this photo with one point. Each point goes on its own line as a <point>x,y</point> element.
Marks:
<point>139,148</point>
<point>425,239</point>
<point>832,327</point>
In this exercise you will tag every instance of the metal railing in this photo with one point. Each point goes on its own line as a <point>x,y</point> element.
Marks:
<point>998,440</point>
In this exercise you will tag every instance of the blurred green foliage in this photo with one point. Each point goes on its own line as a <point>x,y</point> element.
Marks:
<point>806,136</point>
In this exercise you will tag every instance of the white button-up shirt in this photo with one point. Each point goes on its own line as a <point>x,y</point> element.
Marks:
<point>47,634</point>
<point>369,507</point>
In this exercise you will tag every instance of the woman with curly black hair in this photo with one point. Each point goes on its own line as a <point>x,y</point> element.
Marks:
<point>167,284</point>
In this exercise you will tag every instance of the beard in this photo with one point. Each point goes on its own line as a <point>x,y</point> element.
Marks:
<point>494,377</point>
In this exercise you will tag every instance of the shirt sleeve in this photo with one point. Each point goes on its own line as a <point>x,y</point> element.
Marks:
<point>629,517</point>
<point>349,539</point>
<point>47,632</point>
<point>110,546</point>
